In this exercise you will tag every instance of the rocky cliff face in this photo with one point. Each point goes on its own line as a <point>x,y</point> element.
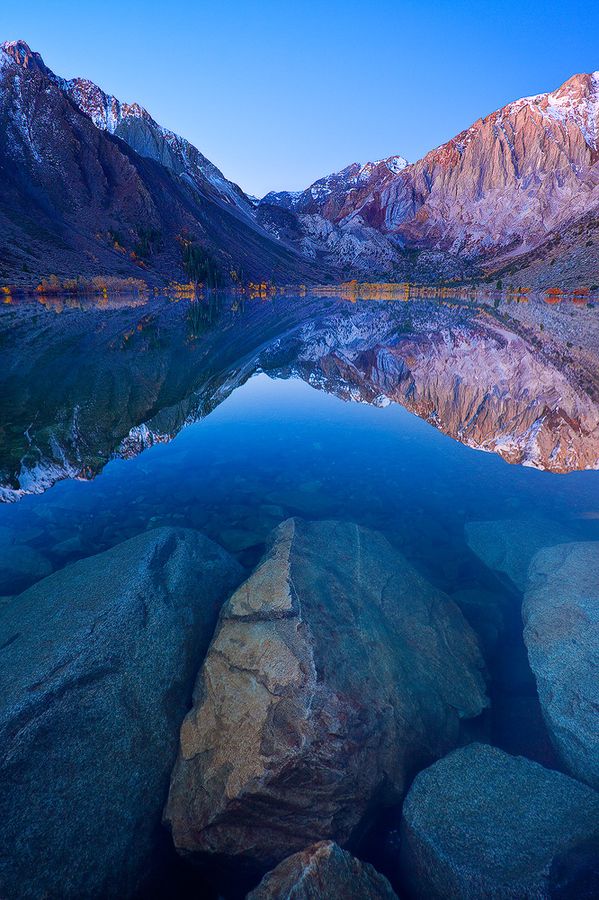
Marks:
<point>77,200</point>
<point>134,125</point>
<point>496,190</point>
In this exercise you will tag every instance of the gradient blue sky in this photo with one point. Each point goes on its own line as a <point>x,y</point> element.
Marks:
<point>279,94</point>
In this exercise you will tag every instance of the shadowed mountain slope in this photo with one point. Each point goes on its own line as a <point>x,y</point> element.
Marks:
<point>76,199</point>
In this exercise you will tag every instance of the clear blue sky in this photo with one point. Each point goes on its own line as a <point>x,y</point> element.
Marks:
<point>278,94</point>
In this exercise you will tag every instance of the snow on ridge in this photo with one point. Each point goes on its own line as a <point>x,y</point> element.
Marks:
<point>6,57</point>
<point>395,164</point>
<point>105,111</point>
<point>7,46</point>
<point>567,105</point>
<point>108,114</point>
<point>356,173</point>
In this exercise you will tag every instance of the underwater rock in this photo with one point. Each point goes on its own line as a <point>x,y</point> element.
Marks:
<point>508,545</point>
<point>335,673</point>
<point>322,872</point>
<point>561,632</point>
<point>485,612</point>
<point>481,823</point>
<point>20,566</point>
<point>98,664</point>
<point>71,546</point>
<point>238,539</point>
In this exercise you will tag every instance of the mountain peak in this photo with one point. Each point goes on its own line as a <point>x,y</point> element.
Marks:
<point>22,54</point>
<point>134,125</point>
<point>393,163</point>
<point>105,111</point>
<point>575,102</point>
<point>336,188</point>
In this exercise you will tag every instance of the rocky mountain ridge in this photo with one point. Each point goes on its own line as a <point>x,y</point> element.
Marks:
<point>126,199</point>
<point>499,189</point>
<point>333,190</point>
<point>134,125</point>
<point>495,201</point>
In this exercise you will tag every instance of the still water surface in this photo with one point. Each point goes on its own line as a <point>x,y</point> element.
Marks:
<point>279,432</point>
<point>229,416</point>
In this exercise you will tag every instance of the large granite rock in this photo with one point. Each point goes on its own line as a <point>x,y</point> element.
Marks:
<point>98,663</point>
<point>561,631</point>
<point>336,671</point>
<point>481,823</point>
<point>508,545</point>
<point>322,872</point>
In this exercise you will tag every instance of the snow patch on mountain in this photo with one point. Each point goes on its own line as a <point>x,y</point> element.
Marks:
<point>337,185</point>
<point>576,102</point>
<point>134,124</point>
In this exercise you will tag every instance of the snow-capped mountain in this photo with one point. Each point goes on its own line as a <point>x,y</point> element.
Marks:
<point>329,195</point>
<point>102,188</point>
<point>90,186</point>
<point>496,191</point>
<point>134,125</point>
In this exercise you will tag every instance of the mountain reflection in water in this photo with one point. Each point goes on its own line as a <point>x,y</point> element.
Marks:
<point>103,389</point>
<point>227,416</point>
<point>80,387</point>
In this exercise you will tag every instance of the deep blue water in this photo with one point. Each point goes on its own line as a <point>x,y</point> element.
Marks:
<point>279,447</point>
<point>247,449</point>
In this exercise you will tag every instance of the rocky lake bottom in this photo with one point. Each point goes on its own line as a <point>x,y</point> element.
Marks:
<point>284,502</point>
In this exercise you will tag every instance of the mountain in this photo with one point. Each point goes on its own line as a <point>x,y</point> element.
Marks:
<point>90,186</point>
<point>134,125</point>
<point>328,196</point>
<point>568,257</point>
<point>497,191</point>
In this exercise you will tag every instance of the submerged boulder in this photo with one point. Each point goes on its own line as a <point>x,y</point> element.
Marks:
<point>322,872</point>
<point>481,823</point>
<point>98,663</point>
<point>561,632</point>
<point>336,671</point>
<point>508,545</point>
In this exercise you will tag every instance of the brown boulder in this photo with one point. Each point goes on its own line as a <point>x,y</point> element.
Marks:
<point>335,673</point>
<point>321,872</point>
